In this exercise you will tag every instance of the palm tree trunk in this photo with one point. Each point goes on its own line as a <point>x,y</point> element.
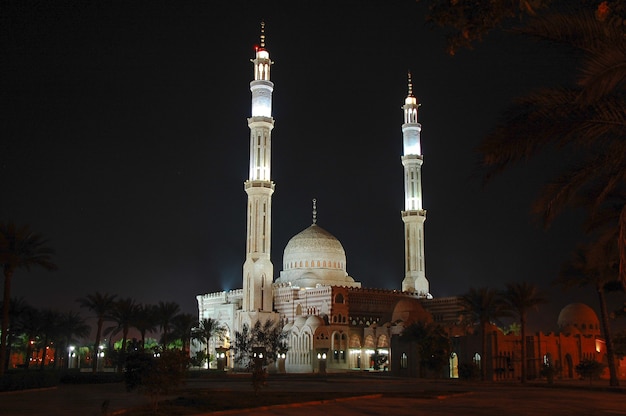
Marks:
<point>483,358</point>
<point>610,353</point>
<point>8,274</point>
<point>43,354</point>
<point>621,244</point>
<point>94,358</point>
<point>523,352</point>
<point>122,357</point>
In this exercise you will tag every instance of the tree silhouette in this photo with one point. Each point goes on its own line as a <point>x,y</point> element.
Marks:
<point>596,265</point>
<point>20,248</point>
<point>145,321</point>
<point>123,313</point>
<point>269,336</point>
<point>482,306</point>
<point>101,304</point>
<point>184,325</point>
<point>522,298</point>
<point>585,124</point>
<point>208,328</point>
<point>165,313</point>
<point>49,331</point>
<point>71,327</point>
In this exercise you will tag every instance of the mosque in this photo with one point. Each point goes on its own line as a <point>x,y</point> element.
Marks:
<point>323,308</point>
<point>328,315</point>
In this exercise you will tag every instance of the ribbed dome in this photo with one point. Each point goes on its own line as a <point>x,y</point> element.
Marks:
<point>581,317</point>
<point>315,257</point>
<point>313,240</point>
<point>314,248</point>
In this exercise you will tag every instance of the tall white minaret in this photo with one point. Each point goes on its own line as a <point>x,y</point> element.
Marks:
<point>413,215</point>
<point>258,270</point>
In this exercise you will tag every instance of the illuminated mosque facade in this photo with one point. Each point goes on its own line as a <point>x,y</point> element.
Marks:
<point>324,310</point>
<point>328,316</point>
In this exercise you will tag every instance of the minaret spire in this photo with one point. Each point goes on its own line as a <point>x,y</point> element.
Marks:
<point>413,215</point>
<point>258,270</point>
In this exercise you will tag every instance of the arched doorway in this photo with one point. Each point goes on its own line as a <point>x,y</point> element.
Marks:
<point>569,366</point>
<point>454,365</point>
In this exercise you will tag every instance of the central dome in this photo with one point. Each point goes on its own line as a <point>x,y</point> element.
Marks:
<point>315,257</point>
<point>314,239</point>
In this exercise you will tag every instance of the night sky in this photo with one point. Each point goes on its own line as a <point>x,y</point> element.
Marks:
<point>124,141</point>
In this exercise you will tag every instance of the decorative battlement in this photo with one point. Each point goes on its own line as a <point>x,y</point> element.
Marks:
<point>224,294</point>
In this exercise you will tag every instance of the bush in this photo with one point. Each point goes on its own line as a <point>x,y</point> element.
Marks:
<point>469,371</point>
<point>590,368</point>
<point>155,376</point>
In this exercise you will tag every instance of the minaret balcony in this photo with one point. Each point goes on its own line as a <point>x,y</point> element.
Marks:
<point>414,213</point>
<point>259,184</point>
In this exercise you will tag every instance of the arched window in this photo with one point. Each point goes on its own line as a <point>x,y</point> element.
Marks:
<point>477,360</point>
<point>404,361</point>
<point>339,298</point>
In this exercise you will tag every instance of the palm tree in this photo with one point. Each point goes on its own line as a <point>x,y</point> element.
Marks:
<point>145,321</point>
<point>102,305</point>
<point>49,332</point>
<point>165,313</point>
<point>123,314</point>
<point>596,265</point>
<point>20,248</point>
<point>521,298</point>
<point>587,122</point>
<point>30,329</point>
<point>208,328</point>
<point>17,309</point>
<point>184,325</point>
<point>71,328</point>
<point>482,306</point>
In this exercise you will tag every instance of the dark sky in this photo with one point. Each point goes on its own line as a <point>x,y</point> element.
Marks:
<point>125,142</point>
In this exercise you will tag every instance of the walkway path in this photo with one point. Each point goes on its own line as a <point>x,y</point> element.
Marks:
<point>385,396</point>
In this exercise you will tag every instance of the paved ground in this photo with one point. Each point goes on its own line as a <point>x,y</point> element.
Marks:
<point>383,396</point>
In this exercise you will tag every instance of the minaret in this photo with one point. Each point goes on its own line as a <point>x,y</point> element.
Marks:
<point>413,215</point>
<point>258,270</point>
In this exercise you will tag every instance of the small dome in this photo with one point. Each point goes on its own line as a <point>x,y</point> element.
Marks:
<point>300,321</point>
<point>579,316</point>
<point>314,322</point>
<point>410,311</point>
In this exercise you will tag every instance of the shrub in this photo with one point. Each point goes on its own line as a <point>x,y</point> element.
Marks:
<point>155,376</point>
<point>469,371</point>
<point>590,368</point>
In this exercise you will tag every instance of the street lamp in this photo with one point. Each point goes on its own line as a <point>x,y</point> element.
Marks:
<point>321,362</point>
<point>70,356</point>
<point>100,357</point>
